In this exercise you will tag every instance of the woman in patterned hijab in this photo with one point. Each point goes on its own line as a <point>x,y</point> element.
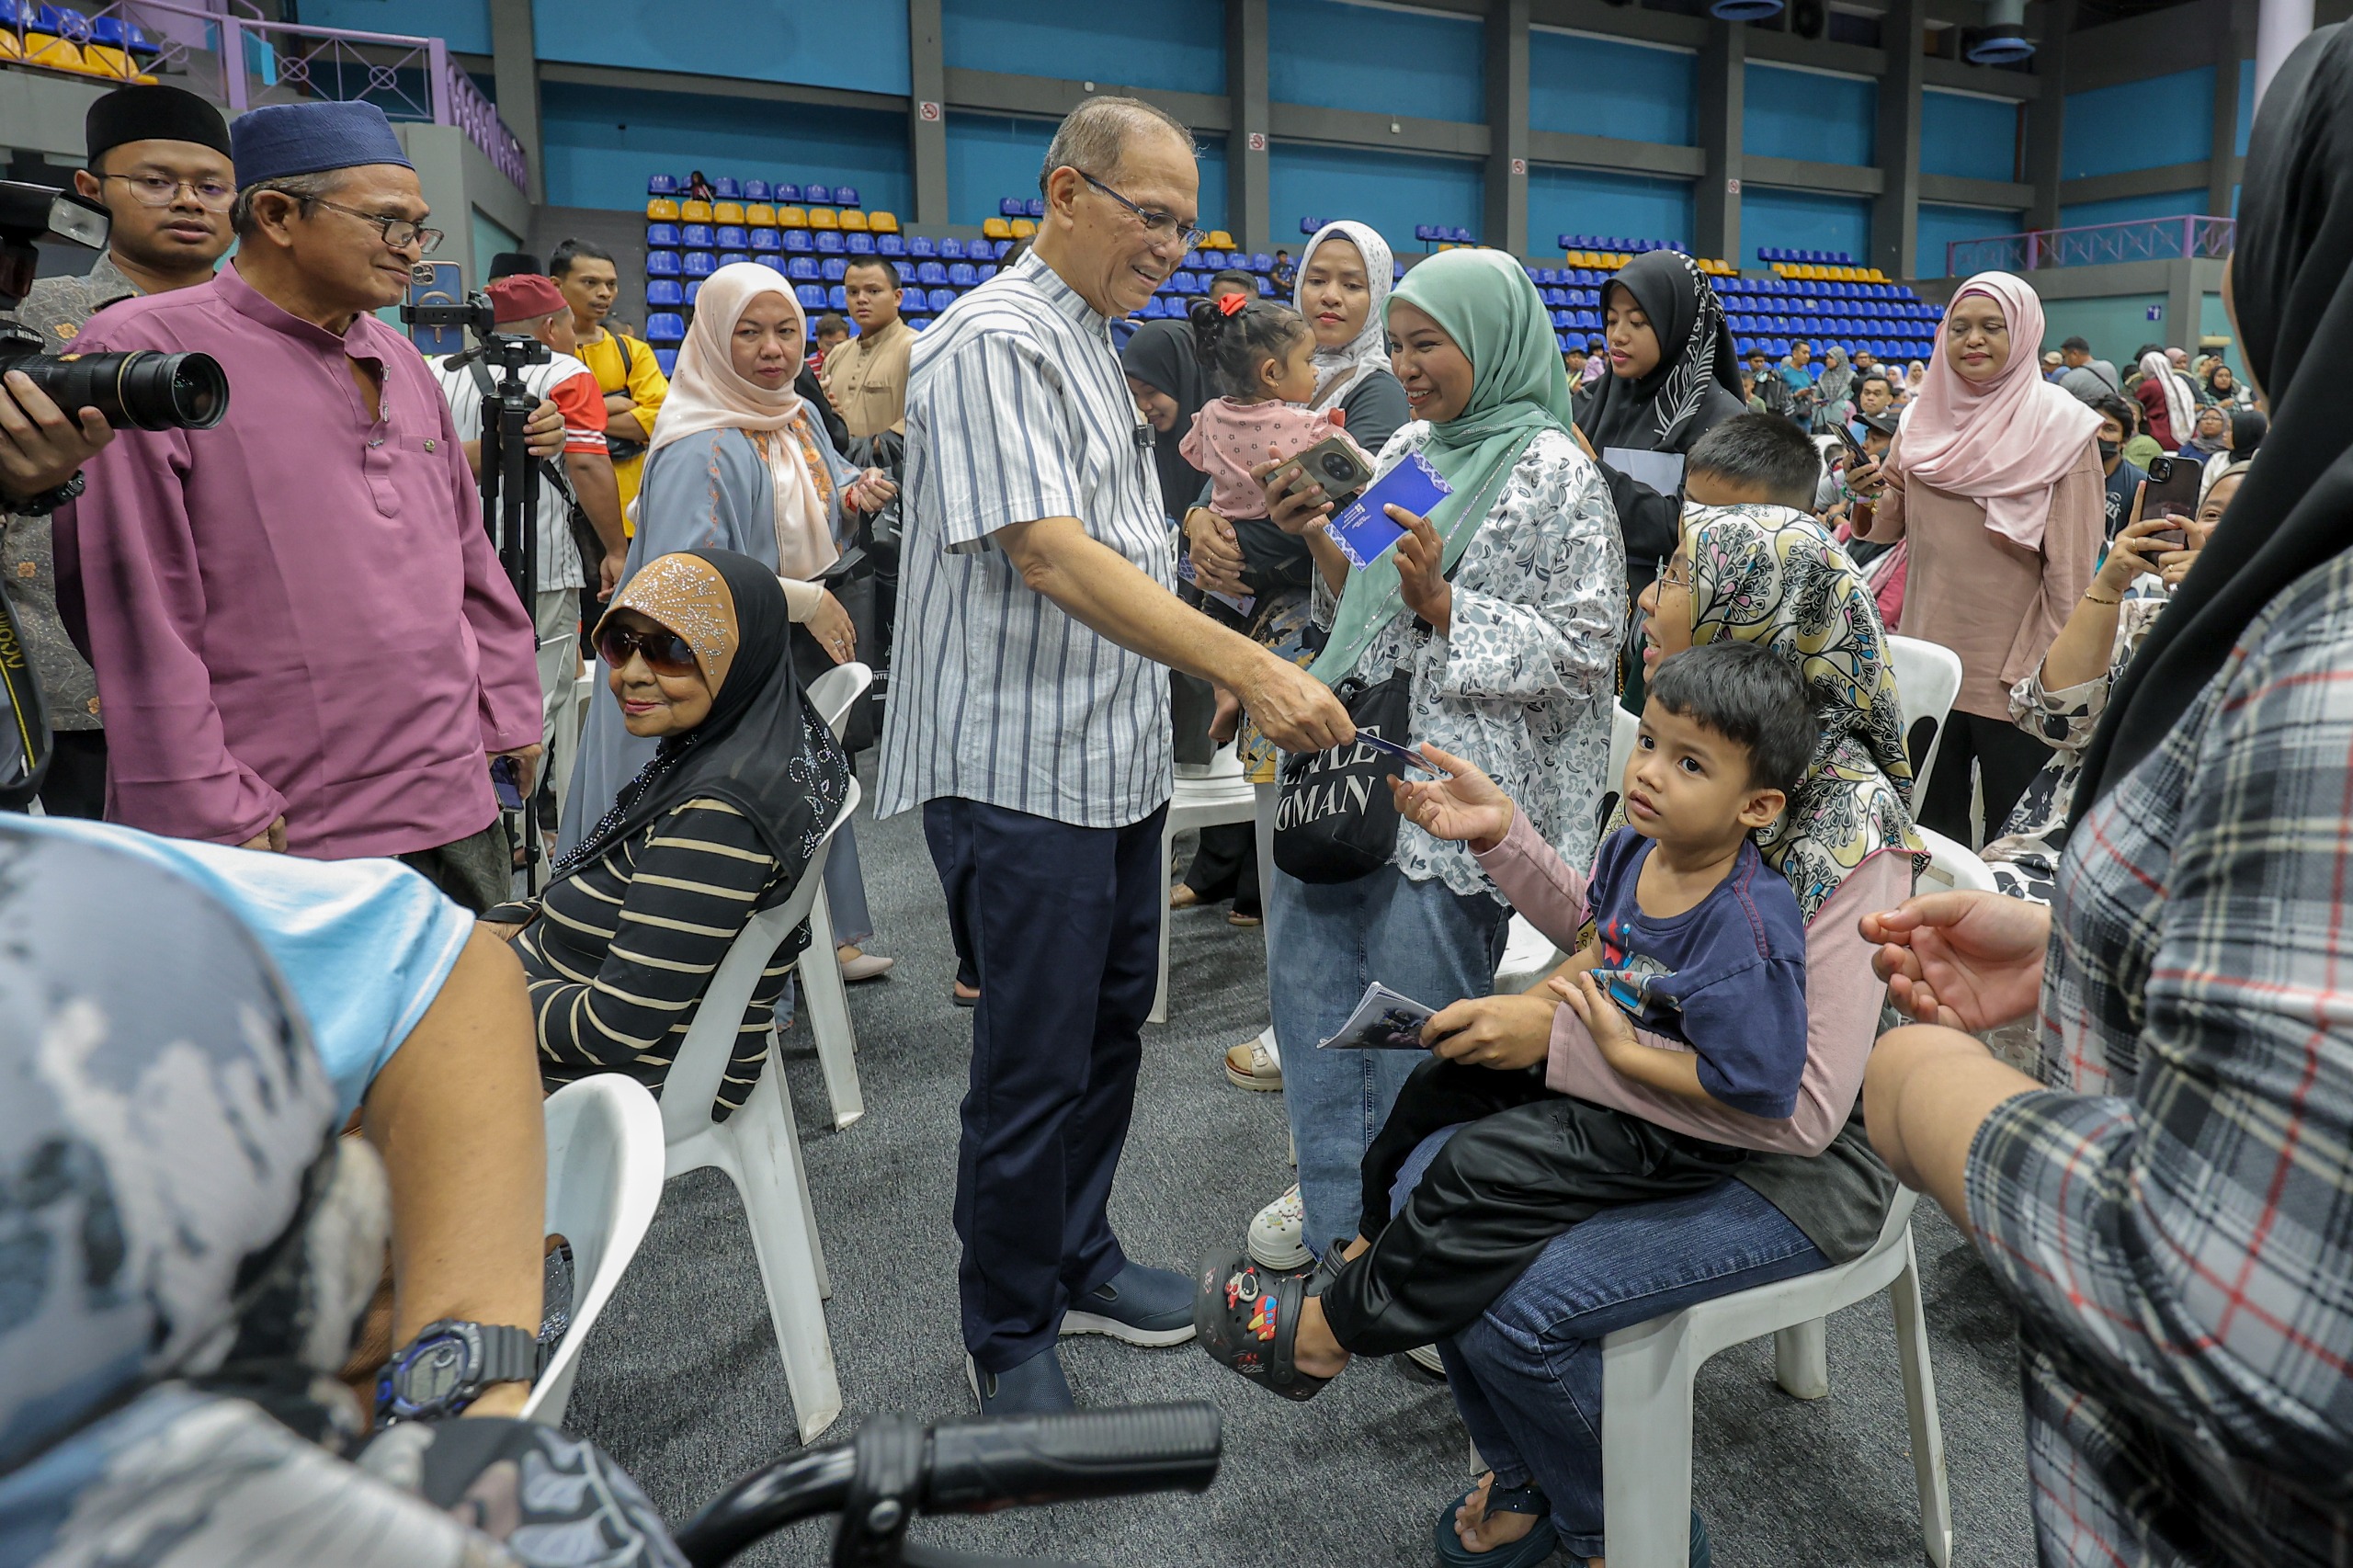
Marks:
<point>1671,379</point>
<point>1760,574</point>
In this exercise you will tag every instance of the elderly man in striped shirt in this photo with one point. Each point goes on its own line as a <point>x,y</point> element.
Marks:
<point>1028,717</point>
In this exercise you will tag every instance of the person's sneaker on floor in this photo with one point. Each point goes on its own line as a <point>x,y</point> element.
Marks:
<point>1278,1233</point>
<point>1137,1306</point>
<point>1037,1387</point>
<point>1250,1066</point>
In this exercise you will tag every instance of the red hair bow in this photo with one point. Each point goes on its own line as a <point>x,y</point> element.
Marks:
<point>1233,305</point>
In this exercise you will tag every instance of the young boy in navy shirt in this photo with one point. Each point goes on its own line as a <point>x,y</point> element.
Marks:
<point>1695,939</point>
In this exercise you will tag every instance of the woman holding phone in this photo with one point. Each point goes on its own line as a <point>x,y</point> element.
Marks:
<point>1505,604</point>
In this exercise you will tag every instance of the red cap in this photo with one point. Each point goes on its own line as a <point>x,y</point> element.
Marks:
<point>526,296</point>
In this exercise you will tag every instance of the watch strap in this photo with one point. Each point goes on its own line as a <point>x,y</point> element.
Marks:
<point>509,1355</point>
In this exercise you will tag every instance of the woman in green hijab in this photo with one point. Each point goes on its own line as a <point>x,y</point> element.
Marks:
<point>1520,579</point>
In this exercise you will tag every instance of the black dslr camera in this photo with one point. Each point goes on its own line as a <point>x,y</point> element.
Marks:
<point>145,388</point>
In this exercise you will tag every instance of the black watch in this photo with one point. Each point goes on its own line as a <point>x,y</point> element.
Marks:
<point>50,500</point>
<point>448,1365</point>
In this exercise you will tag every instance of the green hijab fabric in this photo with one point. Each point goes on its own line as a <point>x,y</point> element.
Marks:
<point>1518,390</point>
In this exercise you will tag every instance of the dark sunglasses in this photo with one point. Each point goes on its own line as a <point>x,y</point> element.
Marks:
<point>666,652</point>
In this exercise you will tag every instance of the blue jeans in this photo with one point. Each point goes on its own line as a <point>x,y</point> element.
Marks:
<point>1325,942</point>
<point>1526,1376</point>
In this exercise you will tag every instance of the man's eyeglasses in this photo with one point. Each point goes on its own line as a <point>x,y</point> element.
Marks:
<point>154,190</point>
<point>1159,225</point>
<point>399,232</point>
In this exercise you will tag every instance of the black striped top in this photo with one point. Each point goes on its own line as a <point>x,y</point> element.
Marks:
<point>624,947</point>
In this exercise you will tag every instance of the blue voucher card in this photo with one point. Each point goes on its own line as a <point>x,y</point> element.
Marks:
<point>1363,530</point>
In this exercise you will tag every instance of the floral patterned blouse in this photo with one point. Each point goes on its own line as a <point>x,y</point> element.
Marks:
<point>2024,859</point>
<point>1524,682</point>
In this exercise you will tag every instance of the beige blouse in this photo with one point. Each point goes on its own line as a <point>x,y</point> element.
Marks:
<point>1987,598</point>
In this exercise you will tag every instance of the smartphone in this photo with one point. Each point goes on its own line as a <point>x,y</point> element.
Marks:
<point>506,783</point>
<point>2172,492</point>
<point>1332,463</point>
<point>1854,442</point>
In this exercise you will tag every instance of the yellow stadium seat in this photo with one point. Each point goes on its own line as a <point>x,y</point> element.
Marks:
<point>883,223</point>
<point>1023,228</point>
<point>9,48</point>
<point>759,215</point>
<point>823,218</point>
<point>695,212</point>
<point>661,209</point>
<point>103,60</point>
<point>1221,240</point>
<point>47,49</point>
<point>853,220</point>
<point>792,218</point>
<point>996,229</point>
<point>728,212</point>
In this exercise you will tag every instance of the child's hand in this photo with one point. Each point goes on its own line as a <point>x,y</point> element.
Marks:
<point>1225,717</point>
<point>1464,807</point>
<point>1599,1015</point>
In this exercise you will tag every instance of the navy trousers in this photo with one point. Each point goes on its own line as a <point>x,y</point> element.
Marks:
<point>1063,926</point>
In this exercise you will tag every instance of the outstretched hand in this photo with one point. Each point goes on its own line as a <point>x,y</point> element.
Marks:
<point>1464,807</point>
<point>1968,960</point>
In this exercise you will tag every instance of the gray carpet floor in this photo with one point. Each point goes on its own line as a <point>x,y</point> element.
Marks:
<point>682,1384</point>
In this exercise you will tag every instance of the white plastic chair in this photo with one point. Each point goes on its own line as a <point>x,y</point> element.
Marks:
<point>604,1182</point>
<point>1647,1372</point>
<point>1220,795</point>
<point>1927,678</point>
<point>1951,866</point>
<point>759,1147</point>
<point>823,990</point>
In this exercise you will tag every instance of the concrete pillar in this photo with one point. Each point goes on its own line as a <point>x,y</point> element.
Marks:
<point>1715,205</point>
<point>1896,211</point>
<point>2046,115</point>
<point>2280,26</point>
<point>514,69</point>
<point>2234,42</point>
<point>1249,202</point>
<point>2185,306</point>
<point>1505,215</point>
<point>928,111</point>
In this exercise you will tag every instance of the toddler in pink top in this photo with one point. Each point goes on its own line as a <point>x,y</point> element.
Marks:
<point>1260,355</point>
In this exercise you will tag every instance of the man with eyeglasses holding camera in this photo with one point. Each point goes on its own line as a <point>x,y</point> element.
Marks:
<point>159,163</point>
<point>303,639</point>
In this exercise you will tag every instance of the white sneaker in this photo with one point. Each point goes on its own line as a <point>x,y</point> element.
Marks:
<point>1278,1234</point>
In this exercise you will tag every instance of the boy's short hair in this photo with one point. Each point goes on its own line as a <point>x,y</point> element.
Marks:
<point>2108,405</point>
<point>828,324</point>
<point>1752,695</point>
<point>1762,450</point>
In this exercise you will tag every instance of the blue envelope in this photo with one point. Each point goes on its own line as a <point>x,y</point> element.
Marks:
<point>1364,532</point>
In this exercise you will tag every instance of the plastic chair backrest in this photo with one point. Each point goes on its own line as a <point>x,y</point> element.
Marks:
<point>1951,866</point>
<point>605,1162</point>
<point>997,229</point>
<point>1623,730</point>
<point>831,694</point>
<point>661,209</point>
<point>786,190</point>
<point>845,195</point>
<point>890,245</point>
<point>853,220</point>
<point>818,192</point>
<point>727,213</point>
<point>1927,678</point>
<point>756,190</point>
<point>663,292</point>
<point>692,1085</point>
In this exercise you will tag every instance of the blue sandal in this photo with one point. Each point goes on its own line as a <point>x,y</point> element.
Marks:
<point>1537,1546</point>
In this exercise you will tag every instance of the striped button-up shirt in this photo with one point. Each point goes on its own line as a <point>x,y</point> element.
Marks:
<point>2178,1233</point>
<point>1016,410</point>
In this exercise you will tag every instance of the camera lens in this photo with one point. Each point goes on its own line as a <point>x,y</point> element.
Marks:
<point>1337,467</point>
<point>144,390</point>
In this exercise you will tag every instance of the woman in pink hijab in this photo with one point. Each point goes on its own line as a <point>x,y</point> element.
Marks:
<point>1996,481</point>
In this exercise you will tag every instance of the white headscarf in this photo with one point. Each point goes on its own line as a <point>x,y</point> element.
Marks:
<point>1339,372</point>
<point>707,394</point>
<point>2180,413</point>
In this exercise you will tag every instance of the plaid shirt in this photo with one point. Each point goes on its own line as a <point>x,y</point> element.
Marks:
<point>2178,1231</point>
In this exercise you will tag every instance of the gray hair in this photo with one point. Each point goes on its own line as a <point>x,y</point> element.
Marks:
<point>304,189</point>
<point>1094,137</point>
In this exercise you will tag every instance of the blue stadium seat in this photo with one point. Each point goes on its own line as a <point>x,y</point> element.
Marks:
<point>694,236</point>
<point>773,263</point>
<point>845,195</point>
<point>1011,207</point>
<point>919,244</point>
<point>700,264</point>
<point>1261,263</point>
<point>661,185</point>
<point>800,269</point>
<point>859,245</point>
<point>906,272</point>
<point>694,290</point>
<point>829,242</point>
<point>917,323</point>
<point>812,295</point>
<point>661,236</point>
<point>983,272</point>
<point>662,264</point>
<point>785,191</point>
<point>665,327</point>
<point>756,190</point>
<point>942,298</point>
<point>962,276</point>
<point>818,195</point>
<point>730,257</point>
<point>951,249</point>
<point>1267,289</point>
<point>798,240</point>
<point>890,245</point>
<point>837,298</point>
<point>724,189</point>
<point>1154,309</point>
<point>1214,260</point>
<point>832,268</point>
<point>1311,225</point>
<point>930,272</point>
<point>1192,262</point>
<point>730,236</point>
<point>766,239</point>
<point>1428,232</point>
<point>663,292</point>
<point>1036,207</point>
<point>667,358</point>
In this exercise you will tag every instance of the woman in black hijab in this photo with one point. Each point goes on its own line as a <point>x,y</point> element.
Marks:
<point>1671,379</point>
<point>1170,388</point>
<point>2174,1223</point>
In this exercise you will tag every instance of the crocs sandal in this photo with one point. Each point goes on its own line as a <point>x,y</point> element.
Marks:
<point>1535,1546</point>
<point>1246,1316</point>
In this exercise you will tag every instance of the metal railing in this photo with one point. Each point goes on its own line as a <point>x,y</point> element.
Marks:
<point>2192,236</point>
<point>246,60</point>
